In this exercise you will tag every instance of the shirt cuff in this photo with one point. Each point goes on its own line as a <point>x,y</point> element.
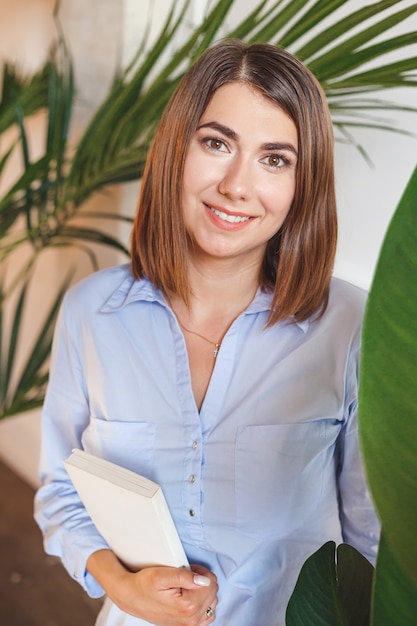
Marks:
<point>75,557</point>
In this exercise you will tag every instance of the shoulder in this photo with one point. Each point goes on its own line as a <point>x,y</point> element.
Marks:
<point>93,291</point>
<point>346,307</point>
<point>345,294</point>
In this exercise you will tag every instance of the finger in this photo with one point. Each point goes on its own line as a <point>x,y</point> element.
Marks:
<point>199,569</point>
<point>209,614</point>
<point>171,577</point>
<point>205,574</point>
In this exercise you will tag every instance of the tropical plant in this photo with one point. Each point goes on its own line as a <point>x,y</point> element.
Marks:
<point>341,594</point>
<point>45,206</point>
<point>388,414</point>
<point>333,589</point>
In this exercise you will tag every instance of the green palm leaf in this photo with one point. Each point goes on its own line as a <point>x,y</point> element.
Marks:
<point>32,94</point>
<point>340,28</point>
<point>28,391</point>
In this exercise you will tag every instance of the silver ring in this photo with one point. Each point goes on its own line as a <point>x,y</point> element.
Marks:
<point>209,612</point>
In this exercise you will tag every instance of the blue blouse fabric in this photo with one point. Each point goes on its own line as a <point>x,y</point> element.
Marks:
<point>266,472</point>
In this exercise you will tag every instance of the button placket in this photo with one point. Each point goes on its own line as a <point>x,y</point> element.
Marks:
<point>192,480</point>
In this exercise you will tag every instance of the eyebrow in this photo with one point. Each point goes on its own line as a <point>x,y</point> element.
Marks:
<point>231,134</point>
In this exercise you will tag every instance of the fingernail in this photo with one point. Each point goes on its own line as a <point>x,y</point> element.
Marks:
<point>203,581</point>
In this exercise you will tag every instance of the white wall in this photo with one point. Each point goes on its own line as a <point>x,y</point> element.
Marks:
<point>368,196</point>
<point>100,33</point>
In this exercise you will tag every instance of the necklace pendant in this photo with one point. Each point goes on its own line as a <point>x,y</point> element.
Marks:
<point>216,349</point>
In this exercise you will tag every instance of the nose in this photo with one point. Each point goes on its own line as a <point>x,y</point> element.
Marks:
<point>236,180</point>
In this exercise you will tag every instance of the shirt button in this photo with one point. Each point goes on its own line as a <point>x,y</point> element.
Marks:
<point>191,512</point>
<point>195,445</point>
<point>191,478</point>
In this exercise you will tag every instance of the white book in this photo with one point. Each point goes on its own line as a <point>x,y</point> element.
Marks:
<point>128,510</point>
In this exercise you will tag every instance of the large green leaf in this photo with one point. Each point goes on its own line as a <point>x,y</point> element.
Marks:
<point>333,589</point>
<point>395,595</point>
<point>388,388</point>
<point>388,412</point>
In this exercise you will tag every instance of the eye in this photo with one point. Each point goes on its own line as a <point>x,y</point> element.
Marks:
<point>214,144</point>
<point>275,161</point>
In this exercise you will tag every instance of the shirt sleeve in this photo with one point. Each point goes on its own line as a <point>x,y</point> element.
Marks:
<point>360,524</point>
<point>65,524</point>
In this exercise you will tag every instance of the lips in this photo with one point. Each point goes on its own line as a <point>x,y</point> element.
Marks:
<point>228,217</point>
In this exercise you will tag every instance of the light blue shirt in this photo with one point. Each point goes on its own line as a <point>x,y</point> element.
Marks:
<point>260,478</point>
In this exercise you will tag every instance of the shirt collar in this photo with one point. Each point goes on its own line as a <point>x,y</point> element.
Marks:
<point>131,290</point>
<point>262,303</point>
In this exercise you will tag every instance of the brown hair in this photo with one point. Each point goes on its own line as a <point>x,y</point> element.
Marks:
<point>299,259</point>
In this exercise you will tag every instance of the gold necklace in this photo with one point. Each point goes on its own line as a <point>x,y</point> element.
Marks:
<point>193,332</point>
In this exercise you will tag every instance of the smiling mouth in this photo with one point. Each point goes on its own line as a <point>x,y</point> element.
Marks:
<point>232,219</point>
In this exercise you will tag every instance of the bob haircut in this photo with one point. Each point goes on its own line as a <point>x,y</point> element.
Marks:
<point>299,258</point>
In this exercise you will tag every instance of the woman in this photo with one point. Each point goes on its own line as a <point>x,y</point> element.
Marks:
<point>223,363</point>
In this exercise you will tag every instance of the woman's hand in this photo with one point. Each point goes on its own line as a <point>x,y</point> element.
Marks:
<point>164,596</point>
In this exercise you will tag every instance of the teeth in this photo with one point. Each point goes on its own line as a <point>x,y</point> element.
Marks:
<point>233,219</point>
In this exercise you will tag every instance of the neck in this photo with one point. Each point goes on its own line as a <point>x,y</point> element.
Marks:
<point>215,293</point>
<point>216,300</point>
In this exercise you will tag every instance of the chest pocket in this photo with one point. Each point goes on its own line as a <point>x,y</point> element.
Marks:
<point>283,472</point>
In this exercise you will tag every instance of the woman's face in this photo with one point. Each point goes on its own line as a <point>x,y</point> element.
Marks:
<point>239,177</point>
